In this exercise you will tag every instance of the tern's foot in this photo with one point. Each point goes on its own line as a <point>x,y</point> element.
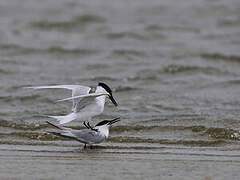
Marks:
<point>90,146</point>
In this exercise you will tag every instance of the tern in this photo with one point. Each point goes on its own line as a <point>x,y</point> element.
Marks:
<point>90,136</point>
<point>85,104</point>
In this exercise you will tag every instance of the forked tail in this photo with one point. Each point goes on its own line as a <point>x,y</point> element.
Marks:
<point>65,119</point>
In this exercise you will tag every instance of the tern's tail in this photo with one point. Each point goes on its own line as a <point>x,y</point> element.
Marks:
<point>65,119</point>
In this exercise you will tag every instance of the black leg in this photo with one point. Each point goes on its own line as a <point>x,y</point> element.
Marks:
<point>85,146</point>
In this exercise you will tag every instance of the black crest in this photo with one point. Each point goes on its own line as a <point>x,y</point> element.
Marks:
<point>106,87</point>
<point>102,123</point>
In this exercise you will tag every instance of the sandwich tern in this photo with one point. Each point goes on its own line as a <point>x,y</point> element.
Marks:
<point>85,104</point>
<point>90,136</point>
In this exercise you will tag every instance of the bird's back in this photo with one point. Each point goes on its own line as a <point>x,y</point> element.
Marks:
<point>88,136</point>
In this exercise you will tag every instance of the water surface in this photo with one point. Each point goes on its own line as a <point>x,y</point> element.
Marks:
<point>174,67</point>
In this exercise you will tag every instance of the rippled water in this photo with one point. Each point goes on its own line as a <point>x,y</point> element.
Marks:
<point>175,70</point>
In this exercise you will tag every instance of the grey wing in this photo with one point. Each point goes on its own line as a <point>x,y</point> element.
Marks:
<point>83,102</point>
<point>88,136</point>
<point>83,96</point>
<point>78,91</point>
<point>70,87</point>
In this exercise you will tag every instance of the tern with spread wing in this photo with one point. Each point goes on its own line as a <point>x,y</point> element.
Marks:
<point>91,135</point>
<point>85,104</point>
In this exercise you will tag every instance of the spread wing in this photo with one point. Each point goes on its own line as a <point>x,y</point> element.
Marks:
<point>83,100</point>
<point>91,95</point>
<point>77,90</point>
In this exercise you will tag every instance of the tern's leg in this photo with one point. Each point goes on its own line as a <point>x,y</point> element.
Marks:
<point>85,146</point>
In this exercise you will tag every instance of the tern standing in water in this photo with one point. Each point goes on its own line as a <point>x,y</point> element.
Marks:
<point>85,104</point>
<point>91,135</point>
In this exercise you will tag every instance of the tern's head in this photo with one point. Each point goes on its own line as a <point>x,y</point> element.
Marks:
<point>103,126</point>
<point>109,91</point>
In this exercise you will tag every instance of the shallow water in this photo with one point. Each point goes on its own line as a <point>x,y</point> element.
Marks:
<point>174,67</point>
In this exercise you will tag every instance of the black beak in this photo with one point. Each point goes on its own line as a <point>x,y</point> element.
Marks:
<point>113,100</point>
<point>114,120</point>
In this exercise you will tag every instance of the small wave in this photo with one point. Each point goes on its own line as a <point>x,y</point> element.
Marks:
<point>36,136</point>
<point>102,78</point>
<point>229,22</point>
<point>125,89</point>
<point>97,66</point>
<point>20,98</point>
<point>219,56</point>
<point>124,35</point>
<point>10,49</point>
<point>128,53</point>
<point>216,133</point>
<point>75,23</point>
<point>35,143</point>
<point>155,27</point>
<point>154,128</point>
<point>175,69</point>
<point>223,84</point>
<point>5,71</point>
<point>63,51</point>
<point>18,126</point>
<point>13,49</point>
<point>167,141</point>
<point>232,82</point>
<point>183,29</point>
<point>146,74</point>
<point>222,133</point>
<point>154,33</point>
<point>9,46</point>
<point>11,61</point>
<point>160,106</point>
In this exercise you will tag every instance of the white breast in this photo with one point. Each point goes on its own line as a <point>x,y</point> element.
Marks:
<point>101,99</point>
<point>103,130</point>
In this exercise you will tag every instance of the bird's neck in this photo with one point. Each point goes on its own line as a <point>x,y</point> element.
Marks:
<point>101,99</point>
<point>100,89</point>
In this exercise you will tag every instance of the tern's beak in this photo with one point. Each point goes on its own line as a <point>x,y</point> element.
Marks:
<point>114,120</point>
<point>113,100</point>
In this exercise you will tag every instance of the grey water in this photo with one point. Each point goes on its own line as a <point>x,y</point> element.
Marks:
<point>174,67</point>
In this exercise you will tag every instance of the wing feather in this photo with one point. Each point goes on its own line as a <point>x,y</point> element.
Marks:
<point>94,95</point>
<point>77,90</point>
<point>70,87</point>
<point>89,136</point>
